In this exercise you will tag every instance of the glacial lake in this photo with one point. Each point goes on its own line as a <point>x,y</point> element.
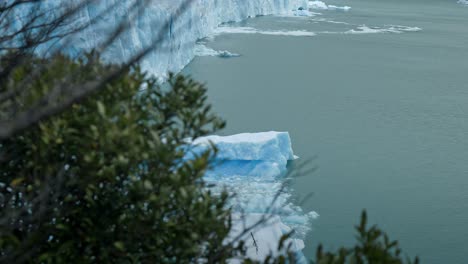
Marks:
<point>382,110</point>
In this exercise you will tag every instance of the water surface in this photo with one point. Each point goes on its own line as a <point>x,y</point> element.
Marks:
<point>386,115</point>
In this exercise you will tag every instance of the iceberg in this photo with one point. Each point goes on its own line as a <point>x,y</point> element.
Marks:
<point>253,168</point>
<point>266,146</point>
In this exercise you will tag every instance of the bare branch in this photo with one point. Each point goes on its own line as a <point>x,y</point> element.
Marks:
<point>47,106</point>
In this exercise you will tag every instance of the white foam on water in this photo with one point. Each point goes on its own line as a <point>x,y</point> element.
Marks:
<point>388,29</point>
<point>329,21</point>
<point>250,30</point>
<point>299,14</point>
<point>319,5</point>
<point>202,50</point>
<point>463,2</point>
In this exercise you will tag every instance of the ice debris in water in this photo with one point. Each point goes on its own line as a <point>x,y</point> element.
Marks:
<point>319,5</point>
<point>253,166</point>
<point>303,12</point>
<point>389,29</point>
<point>250,30</point>
<point>202,50</point>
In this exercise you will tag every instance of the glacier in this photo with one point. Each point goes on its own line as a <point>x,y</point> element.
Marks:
<point>253,168</point>
<point>251,165</point>
<point>179,45</point>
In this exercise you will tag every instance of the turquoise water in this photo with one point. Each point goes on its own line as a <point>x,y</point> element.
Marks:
<point>385,115</point>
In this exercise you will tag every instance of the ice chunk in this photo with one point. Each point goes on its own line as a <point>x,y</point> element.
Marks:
<point>342,8</point>
<point>264,239</point>
<point>266,146</point>
<point>302,12</point>
<point>319,5</point>
<point>251,167</point>
<point>202,50</point>
<point>388,29</point>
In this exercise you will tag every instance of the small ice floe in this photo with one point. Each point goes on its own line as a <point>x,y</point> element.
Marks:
<point>388,29</point>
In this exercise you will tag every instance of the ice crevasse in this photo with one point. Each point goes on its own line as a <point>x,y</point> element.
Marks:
<point>253,167</point>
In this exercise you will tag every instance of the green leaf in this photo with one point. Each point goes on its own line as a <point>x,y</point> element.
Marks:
<point>119,245</point>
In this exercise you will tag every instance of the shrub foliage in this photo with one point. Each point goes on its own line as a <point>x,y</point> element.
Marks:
<point>373,246</point>
<point>105,181</point>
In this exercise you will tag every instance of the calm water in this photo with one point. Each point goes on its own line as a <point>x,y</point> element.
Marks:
<point>385,115</point>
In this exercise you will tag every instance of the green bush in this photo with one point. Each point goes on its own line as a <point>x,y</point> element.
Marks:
<point>104,181</point>
<point>373,247</point>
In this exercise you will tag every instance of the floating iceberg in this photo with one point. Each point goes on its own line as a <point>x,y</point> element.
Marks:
<point>266,146</point>
<point>252,166</point>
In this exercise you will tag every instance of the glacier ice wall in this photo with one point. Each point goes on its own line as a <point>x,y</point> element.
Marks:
<point>179,44</point>
<point>253,166</point>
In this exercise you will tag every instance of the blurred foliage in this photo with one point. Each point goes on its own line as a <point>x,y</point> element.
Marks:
<point>105,181</point>
<point>373,246</point>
